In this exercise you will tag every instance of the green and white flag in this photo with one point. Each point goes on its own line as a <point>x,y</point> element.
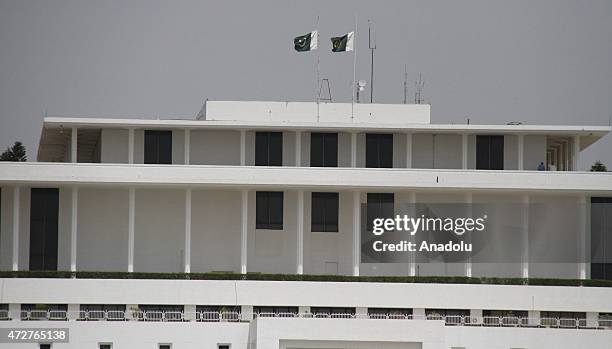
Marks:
<point>307,42</point>
<point>343,43</point>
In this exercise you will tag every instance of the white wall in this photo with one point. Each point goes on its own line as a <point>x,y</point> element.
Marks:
<point>114,146</point>
<point>214,148</point>
<point>535,152</point>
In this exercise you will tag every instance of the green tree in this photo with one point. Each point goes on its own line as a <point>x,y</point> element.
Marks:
<point>15,153</point>
<point>598,167</point>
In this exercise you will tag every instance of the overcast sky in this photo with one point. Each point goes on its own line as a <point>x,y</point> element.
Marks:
<point>539,62</point>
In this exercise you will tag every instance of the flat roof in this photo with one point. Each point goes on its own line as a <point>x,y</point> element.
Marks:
<point>68,122</point>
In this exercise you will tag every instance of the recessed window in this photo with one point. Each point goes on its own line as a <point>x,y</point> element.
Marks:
<point>105,346</point>
<point>165,346</point>
<point>223,346</point>
<point>489,152</point>
<point>44,346</point>
<point>269,210</point>
<point>44,211</point>
<point>379,150</point>
<point>380,205</point>
<point>324,216</point>
<point>323,149</point>
<point>269,149</point>
<point>158,147</point>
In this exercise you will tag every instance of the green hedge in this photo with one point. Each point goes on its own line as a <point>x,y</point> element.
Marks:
<point>293,277</point>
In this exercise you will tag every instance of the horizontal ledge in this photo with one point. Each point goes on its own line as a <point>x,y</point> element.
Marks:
<point>246,177</point>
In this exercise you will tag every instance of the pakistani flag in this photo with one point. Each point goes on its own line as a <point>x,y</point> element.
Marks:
<point>306,42</point>
<point>343,43</point>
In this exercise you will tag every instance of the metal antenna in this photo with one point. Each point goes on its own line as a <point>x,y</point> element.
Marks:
<point>418,94</point>
<point>405,84</point>
<point>372,47</point>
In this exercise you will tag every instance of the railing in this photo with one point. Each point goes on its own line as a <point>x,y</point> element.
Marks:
<point>4,315</point>
<point>232,316</point>
<point>39,315</point>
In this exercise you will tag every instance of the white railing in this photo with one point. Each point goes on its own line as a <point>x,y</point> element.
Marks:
<point>4,315</point>
<point>232,316</point>
<point>38,315</point>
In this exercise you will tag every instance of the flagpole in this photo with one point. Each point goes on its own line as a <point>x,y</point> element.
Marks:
<point>317,88</point>
<point>354,68</point>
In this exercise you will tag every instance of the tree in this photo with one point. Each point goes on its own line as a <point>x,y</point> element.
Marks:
<point>598,167</point>
<point>15,153</point>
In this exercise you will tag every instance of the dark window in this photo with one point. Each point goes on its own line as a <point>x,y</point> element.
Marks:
<point>44,346</point>
<point>324,215</point>
<point>489,152</point>
<point>105,346</point>
<point>379,150</point>
<point>324,149</point>
<point>164,346</point>
<point>158,147</point>
<point>601,238</point>
<point>44,209</point>
<point>223,346</point>
<point>269,149</point>
<point>269,210</point>
<point>380,205</point>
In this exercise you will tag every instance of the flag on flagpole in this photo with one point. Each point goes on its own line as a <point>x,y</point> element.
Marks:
<point>306,42</point>
<point>343,43</point>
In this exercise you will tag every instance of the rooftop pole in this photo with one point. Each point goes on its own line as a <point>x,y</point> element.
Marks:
<point>354,69</point>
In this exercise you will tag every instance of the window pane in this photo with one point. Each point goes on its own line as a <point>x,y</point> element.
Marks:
<point>275,150</point>
<point>44,210</point>
<point>379,150</point>
<point>324,216</point>
<point>331,212</point>
<point>317,213</point>
<point>158,147</point>
<point>276,210</point>
<point>380,205</point>
<point>316,149</point>
<point>331,150</point>
<point>497,153</point>
<point>261,149</point>
<point>269,210</point>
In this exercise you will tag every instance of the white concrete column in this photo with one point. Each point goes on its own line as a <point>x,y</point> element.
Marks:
<point>521,153</point>
<point>242,147</point>
<point>190,312</point>
<point>16,206</point>
<point>298,148</point>
<point>412,256</point>
<point>14,311</point>
<point>533,317</point>
<point>187,253</point>
<point>73,227</point>
<point>408,150</point>
<point>244,231</point>
<point>356,232</point>
<point>476,316</point>
<point>73,311</point>
<point>353,149</point>
<point>131,227</point>
<point>525,237</point>
<point>246,312</point>
<point>187,146</point>
<point>418,313</point>
<point>469,199</point>
<point>130,146</point>
<point>300,233</point>
<point>73,145</point>
<point>582,235</point>
<point>361,312</point>
<point>592,320</point>
<point>576,153</point>
<point>464,151</point>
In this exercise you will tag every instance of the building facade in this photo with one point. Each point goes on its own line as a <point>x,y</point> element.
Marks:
<point>280,188</point>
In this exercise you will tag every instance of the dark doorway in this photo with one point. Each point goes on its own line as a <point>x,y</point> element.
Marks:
<point>44,210</point>
<point>489,152</point>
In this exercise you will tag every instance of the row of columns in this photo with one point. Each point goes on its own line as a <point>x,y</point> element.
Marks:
<point>567,159</point>
<point>356,233</point>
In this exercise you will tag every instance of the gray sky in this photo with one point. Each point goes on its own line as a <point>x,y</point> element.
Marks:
<point>546,62</point>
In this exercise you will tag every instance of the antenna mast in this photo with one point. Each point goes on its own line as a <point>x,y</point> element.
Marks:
<point>405,84</point>
<point>372,46</point>
<point>418,94</point>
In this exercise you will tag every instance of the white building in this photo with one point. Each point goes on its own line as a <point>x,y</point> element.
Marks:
<point>278,188</point>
